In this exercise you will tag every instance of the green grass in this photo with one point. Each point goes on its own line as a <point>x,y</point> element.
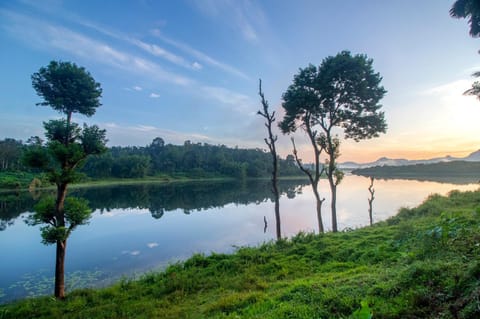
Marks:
<point>422,263</point>
<point>15,180</point>
<point>20,181</point>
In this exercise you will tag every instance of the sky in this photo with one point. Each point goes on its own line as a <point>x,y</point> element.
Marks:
<point>189,70</point>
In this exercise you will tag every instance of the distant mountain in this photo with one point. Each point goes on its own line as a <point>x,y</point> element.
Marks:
<point>474,157</point>
<point>385,161</point>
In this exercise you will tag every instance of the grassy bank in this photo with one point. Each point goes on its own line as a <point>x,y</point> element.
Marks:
<point>422,263</point>
<point>19,181</point>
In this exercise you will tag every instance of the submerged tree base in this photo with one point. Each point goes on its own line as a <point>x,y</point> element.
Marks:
<point>422,263</point>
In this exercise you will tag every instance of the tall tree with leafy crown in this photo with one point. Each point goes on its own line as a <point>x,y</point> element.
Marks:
<point>68,89</point>
<point>341,95</point>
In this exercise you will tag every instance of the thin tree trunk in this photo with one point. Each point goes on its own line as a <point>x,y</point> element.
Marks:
<point>61,194</point>
<point>313,179</point>
<point>319,209</point>
<point>371,190</point>
<point>270,118</point>
<point>276,193</point>
<point>61,244</point>
<point>333,190</point>
<point>60,269</point>
<point>277,214</point>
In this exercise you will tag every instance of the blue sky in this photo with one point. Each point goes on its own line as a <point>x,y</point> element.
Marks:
<point>189,70</point>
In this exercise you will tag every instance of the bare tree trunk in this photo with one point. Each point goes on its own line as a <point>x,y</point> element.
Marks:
<point>319,210</point>
<point>313,179</point>
<point>371,190</point>
<point>60,269</point>
<point>277,215</point>
<point>333,204</point>
<point>270,118</point>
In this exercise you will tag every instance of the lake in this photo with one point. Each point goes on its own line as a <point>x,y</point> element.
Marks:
<point>140,228</point>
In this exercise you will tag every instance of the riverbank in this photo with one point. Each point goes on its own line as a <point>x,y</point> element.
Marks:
<point>20,181</point>
<point>422,263</point>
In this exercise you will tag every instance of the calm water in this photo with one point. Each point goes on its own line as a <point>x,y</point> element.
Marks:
<point>140,228</point>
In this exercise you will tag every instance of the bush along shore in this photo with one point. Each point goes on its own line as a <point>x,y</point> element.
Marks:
<point>422,263</point>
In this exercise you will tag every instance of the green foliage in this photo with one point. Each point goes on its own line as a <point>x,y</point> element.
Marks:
<point>67,88</point>
<point>364,312</point>
<point>61,158</point>
<point>76,212</point>
<point>10,154</point>
<point>468,9</point>
<point>343,92</point>
<point>191,159</point>
<point>10,181</point>
<point>44,212</point>
<point>53,234</point>
<point>87,154</point>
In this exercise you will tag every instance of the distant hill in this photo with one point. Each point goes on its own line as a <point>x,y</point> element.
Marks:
<point>452,172</point>
<point>385,161</point>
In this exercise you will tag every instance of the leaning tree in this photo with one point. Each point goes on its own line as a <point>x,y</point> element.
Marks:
<point>68,89</point>
<point>342,95</point>
<point>300,103</point>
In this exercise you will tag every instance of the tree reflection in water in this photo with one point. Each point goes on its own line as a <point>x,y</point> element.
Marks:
<point>159,198</point>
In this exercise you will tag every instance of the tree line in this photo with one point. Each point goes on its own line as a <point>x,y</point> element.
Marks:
<point>158,158</point>
<point>191,159</point>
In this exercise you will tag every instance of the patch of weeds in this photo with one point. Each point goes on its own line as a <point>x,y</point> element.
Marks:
<point>233,302</point>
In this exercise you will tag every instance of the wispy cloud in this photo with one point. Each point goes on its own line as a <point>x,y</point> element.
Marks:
<point>243,13</point>
<point>200,55</point>
<point>151,48</point>
<point>154,95</point>
<point>197,66</point>
<point>52,37</point>
<point>240,102</point>
<point>449,91</point>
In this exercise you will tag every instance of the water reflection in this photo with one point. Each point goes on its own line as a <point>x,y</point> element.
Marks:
<point>447,179</point>
<point>158,198</point>
<point>12,205</point>
<point>123,239</point>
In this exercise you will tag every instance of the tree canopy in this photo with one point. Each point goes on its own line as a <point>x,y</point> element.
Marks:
<point>469,9</point>
<point>67,88</point>
<point>342,92</point>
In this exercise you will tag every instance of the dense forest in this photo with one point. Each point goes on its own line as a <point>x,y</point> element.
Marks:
<point>160,159</point>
